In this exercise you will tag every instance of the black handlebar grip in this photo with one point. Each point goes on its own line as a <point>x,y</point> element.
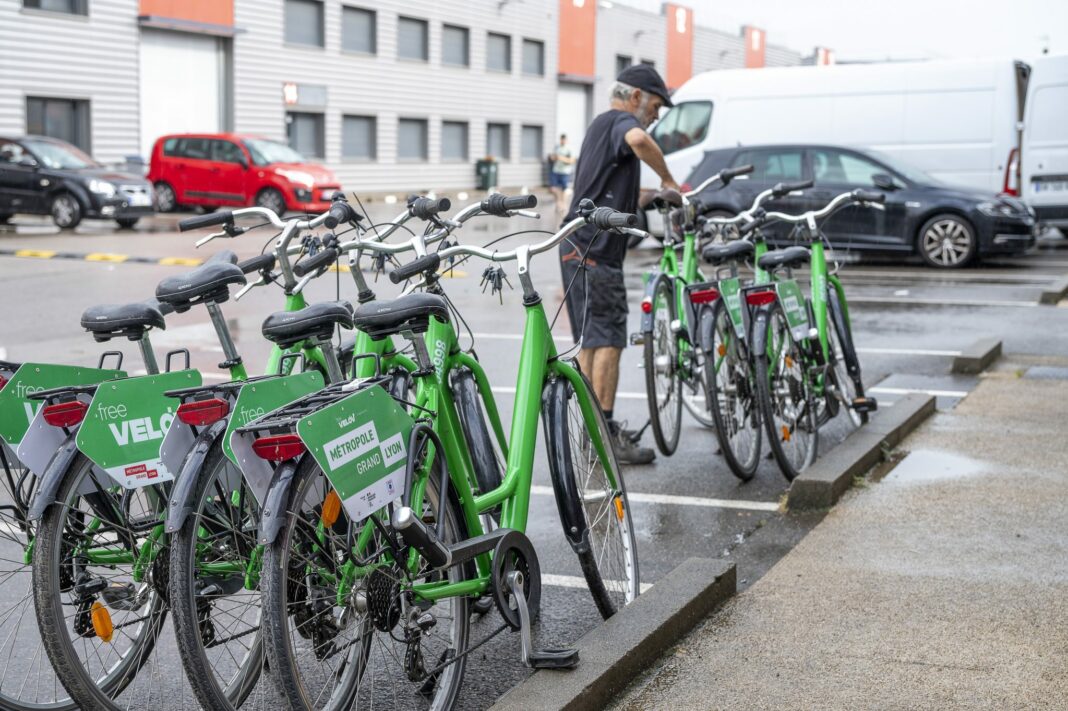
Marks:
<point>406,271</point>
<point>606,218</point>
<point>869,196</point>
<point>221,217</point>
<point>787,188</point>
<point>500,205</point>
<point>340,212</point>
<point>750,226</point>
<point>257,264</point>
<point>317,261</point>
<point>425,208</point>
<point>731,173</point>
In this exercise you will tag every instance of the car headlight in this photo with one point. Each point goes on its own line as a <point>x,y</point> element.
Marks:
<point>102,187</point>
<point>297,176</point>
<point>998,209</point>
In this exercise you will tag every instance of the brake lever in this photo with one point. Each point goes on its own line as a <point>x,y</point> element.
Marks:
<point>525,213</point>
<point>204,240</point>
<point>876,205</point>
<point>262,281</point>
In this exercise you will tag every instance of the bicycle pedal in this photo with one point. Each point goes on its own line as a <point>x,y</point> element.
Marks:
<point>637,339</point>
<point>554,658</point>
<point>865,404</point>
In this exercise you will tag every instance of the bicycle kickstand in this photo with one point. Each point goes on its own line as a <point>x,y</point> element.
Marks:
<point>536,659</point>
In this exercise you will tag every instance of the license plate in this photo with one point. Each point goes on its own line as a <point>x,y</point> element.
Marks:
<point>140,200</point>
<point>1047,186</point>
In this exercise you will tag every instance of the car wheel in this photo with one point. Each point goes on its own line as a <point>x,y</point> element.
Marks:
<point>272,200</point>
<point>66,211</point>
<point>128,222</point>
<point>166,199</point>
<point>947,242</point>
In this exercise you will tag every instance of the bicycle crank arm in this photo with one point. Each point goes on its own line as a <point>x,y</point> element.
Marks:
<point>536,659</point>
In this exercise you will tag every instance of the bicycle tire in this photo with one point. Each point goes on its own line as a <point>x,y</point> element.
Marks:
<point>723,344</point>
<point>661,354</point>
<point>845,353</point>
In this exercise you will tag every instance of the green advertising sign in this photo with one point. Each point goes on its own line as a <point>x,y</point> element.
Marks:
<point>261,396</point>
<point>17,410</point>
<point>793,303</point>
<point>731,292</point>
<point>126,423</point>
<point>361,443</point>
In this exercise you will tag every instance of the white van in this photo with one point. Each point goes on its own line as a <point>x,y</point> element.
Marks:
<point>955,119</point>
<point>1044,160</point>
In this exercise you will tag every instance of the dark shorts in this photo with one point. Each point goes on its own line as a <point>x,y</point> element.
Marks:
<point>559,180</point>
<point>596,304</point>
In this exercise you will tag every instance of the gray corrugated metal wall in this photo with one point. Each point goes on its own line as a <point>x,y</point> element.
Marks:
<point>633,33</point>
<point>388,88</point>
<point>52,54</point>
<point>713,49</point>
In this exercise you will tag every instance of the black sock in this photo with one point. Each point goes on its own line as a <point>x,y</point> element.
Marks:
<point>608,415</point>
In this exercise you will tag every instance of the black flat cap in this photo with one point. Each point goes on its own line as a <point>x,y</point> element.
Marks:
<point>644,77</point>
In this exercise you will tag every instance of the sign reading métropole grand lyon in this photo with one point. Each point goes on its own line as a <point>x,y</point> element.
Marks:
<point>361,443</point>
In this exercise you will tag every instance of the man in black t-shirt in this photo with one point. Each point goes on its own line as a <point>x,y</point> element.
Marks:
<point>608,173</point>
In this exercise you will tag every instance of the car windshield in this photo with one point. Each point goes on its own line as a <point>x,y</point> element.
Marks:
<point>911,172</point>
<point>59,156</point>
<point>266,152</point>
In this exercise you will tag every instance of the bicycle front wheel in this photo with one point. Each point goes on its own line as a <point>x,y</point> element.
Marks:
<point>662,385</point>
<point>732,394</point>
<point>609,561</point>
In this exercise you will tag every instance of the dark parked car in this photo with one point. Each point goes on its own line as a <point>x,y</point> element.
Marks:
<point>46,176</point>
<point>948,226</point>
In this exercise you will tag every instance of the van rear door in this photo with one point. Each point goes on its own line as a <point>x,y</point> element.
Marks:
<point>1045,141</point>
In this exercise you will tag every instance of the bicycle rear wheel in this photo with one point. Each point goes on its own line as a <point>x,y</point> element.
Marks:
<point>732,394</point>
<point>609,561</point>
<point>662,385</point>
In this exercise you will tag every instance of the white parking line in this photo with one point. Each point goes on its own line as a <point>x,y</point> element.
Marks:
<point>573,581</point>
<point>619,396</point>
<point>911,301</point>
<point>515,337</point>
<point>906,391</point>
<point>907,351</point>
<point>682,500</point>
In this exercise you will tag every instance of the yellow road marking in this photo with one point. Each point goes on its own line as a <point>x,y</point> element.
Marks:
<point>105,257</point>
<point>37,253</point>
<point>180,262</point>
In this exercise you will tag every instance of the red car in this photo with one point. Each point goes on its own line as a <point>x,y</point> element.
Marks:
<point>215,169</point>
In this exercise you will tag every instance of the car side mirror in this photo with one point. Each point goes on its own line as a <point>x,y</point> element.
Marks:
<point>27,162</point>
<point>884,182</point>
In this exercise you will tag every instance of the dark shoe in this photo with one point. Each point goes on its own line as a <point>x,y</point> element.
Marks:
<point>625,444</point>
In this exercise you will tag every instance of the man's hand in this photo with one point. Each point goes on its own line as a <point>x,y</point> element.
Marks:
<point>670,185</point>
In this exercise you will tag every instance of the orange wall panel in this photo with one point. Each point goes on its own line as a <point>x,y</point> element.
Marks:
<point>755,43</point>
<point>578,38</point>
<point>211,12</point>
<point>679,44</point>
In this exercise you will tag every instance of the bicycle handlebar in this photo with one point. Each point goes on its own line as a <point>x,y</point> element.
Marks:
<point>424,208</point>
<point>861,196</point>
<point>220,217</point>
<point>258,264</point>
<point>340,212</point>
<point>500,205</point>
<point>782,189</point>
<point>427,263</point>
<point>320,259</point>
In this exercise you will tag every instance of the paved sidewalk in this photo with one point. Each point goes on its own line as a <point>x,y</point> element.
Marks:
<point>944,585</point>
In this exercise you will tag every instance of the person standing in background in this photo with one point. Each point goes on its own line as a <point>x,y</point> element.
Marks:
<point>560,175</point>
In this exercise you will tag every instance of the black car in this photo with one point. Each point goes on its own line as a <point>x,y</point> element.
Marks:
<point>46,176</point>
<point>947,226</point>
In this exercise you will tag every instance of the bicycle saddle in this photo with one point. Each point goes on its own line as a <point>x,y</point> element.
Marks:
<point>661,199</point>
<point>315,322</point>
<point>720,253</point>
<point>208,282</point>
<point>789,257</point>
<point>107,321</point>
<point>412,312</point>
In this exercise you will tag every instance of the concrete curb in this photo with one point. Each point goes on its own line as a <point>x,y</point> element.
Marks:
<point>822,484</point>
<point>614,653</point>
<point>1056,291</point>
<point>977,357</point>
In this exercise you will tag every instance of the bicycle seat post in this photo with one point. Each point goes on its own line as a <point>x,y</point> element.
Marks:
<point>148,355</point>
<point>233,358</point>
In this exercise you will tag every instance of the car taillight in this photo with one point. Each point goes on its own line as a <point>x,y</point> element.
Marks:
<point>278,448</point>
<point>65,414</point>
<point>703,296</point>
<point>760,298</point>
<point>1011,185</point>
<point>647,305</point>
<point>203,412</point>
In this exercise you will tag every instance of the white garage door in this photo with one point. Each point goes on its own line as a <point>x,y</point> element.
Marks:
<point>181,76</point>
<point>572,113</point>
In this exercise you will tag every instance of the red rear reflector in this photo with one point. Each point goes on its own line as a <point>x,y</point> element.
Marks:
<point>760,298</point>
<point>3,382</point>
<point>203,412</point>
<point>65,414</point>
<point>278,448</point>
<point>703,296</point>
<point>647,305</point>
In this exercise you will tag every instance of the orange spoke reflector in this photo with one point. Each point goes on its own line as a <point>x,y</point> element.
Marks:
<point>785,433</point>
<point>331,509</point>
<point>619,507</point>
<point>789,362</point>
<point>722,350</point>
<point>102,622</point>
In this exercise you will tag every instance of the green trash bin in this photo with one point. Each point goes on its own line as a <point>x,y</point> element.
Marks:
<point>486,174</point>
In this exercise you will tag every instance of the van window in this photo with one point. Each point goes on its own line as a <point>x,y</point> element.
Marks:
<point>772,166</point>
<point>197,148</point>
<point>683,126</point>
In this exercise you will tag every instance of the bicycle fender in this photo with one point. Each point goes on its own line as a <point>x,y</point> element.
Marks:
<point>760,330</point>
<point>705,326</point>
<point>554,420</point>
<point>274,506</point>
<point>650,291</point>
<point>53,476</point>
<point>181,503</point>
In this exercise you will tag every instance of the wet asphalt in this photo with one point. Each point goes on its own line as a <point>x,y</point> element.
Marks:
<point>908,322</point>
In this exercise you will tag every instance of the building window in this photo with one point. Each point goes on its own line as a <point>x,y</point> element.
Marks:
<point>622,62</point>
<point>454,140</point>
<point>455,46</point>
<point>649,63</point>
<point>65,119</point>
<point>411,39</point>
<point>498,141</point>
<point>530,143</point>
<point>498,53</point>
<point>70,7</point>
<point>304,22</point>
<point>411,139</point>
<point>305,133</point>
<point>359,138</point>
<point>533,57</point>
<point>359,30</point>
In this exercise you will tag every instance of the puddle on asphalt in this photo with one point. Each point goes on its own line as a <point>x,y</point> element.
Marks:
<point>928,465</point>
